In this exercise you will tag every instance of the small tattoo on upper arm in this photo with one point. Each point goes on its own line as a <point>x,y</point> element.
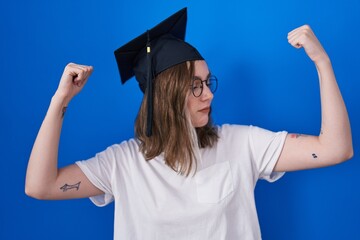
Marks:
<point>314,155</point>
<point>68,187</point>
<point>298,135</point>
<point>63,111</point>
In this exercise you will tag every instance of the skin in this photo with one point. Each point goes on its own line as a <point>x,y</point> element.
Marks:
<point>43,178</point>
<point>334,145</point>
<point>199,107</point>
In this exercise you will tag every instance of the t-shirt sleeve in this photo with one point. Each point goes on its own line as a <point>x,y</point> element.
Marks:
<point>99,170</point>
<point>266,147</point>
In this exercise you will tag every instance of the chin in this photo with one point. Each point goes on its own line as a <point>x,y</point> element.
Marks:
<point>200,124</point>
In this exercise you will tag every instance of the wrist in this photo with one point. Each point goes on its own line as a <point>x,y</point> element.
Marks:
<point>60,99</point>
<point>323,61</point>
<point>59,104</point>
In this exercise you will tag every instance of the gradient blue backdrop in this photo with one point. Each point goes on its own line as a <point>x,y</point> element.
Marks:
<point>262,81</point>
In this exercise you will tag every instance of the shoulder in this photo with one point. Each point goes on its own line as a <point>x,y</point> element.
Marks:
<point>227,129</point>
<point>234,129</point>
<point>126,145</point>
<point>230,131</point>
<point>231,135</point>
<point>124,149</point>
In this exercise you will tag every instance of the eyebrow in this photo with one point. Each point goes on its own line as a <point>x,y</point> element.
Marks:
<point>199,78</point>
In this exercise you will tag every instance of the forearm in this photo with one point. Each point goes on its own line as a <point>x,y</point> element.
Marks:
<point>334,144</point>
<point>335,126</point>
<point>43,163</point>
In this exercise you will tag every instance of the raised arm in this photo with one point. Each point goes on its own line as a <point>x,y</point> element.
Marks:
<point>334,143</point>
<point>43,178</point>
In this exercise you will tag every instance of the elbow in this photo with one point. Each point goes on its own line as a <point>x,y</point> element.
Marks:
<point>31,192</point>
<point>349,154</point>
<point>344,155</point>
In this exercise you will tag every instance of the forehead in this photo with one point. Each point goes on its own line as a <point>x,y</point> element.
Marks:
<point>201,69</point>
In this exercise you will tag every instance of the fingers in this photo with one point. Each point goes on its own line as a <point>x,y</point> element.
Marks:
<point>304,37</point>
<point>73,80</point>
<point>298,36</point>
<point>79,73</point>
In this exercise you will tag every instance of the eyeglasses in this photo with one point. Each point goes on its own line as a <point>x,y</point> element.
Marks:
<point>197,85</point>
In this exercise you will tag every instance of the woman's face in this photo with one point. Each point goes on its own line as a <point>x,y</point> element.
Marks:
<point>199,107</point>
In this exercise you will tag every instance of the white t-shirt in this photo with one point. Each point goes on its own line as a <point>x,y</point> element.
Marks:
<point>154,202</point>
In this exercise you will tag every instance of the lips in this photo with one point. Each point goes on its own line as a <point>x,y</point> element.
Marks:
<point>205,110</point>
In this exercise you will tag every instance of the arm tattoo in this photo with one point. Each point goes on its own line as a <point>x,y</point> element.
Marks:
<point>314,155</point>
<point>68,187</point>
<point>63,112</point>
<point>297,135</point>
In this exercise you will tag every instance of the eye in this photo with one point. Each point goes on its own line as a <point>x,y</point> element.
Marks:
<point>196,84</point>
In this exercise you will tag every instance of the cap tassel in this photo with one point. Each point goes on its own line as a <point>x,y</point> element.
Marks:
<point>149,88</point>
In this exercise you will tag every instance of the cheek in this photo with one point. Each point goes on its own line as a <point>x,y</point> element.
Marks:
<point>190,108</point>
<point>191,103</point>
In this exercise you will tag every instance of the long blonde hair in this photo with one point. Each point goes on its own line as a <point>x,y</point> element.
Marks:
<point>172,131</point>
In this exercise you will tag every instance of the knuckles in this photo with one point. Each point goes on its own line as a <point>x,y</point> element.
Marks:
<point>69,65</point>
<point>79,69</point>
<point>306,30</point>
<point>306,27</point>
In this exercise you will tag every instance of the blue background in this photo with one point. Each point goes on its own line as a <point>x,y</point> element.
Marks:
<point>263,81</point>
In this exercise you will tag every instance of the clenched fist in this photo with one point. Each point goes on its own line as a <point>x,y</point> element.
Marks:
<point>304,37</point>
<point>73,80</point>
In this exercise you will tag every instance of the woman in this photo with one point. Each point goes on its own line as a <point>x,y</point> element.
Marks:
<point>182,177</point>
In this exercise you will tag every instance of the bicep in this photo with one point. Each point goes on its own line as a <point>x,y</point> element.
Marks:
<point>302,152</point>
<point>70,183</point>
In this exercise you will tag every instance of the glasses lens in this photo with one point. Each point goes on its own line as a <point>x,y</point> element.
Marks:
<point>197,87</point>
<point>212,83</point>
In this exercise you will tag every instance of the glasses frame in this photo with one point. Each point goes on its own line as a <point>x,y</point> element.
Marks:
<point>213,77</point>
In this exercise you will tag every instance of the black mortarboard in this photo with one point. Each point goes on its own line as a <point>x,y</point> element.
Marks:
<point>168,49</point>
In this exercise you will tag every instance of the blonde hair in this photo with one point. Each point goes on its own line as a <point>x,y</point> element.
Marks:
<point>172,131</point>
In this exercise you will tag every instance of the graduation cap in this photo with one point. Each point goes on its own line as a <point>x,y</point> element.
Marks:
<point>154,51</point>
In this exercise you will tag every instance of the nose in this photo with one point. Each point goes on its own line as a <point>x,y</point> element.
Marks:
<point>206,94</point>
